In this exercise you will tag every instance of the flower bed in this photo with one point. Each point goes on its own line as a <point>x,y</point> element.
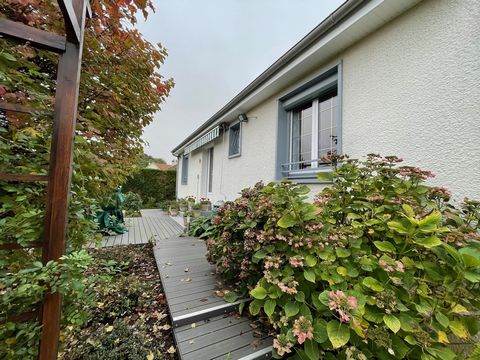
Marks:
<point>380,266</point>
<point>130,317</point>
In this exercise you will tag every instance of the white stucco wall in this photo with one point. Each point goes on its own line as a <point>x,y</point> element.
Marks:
<point>410,89</point>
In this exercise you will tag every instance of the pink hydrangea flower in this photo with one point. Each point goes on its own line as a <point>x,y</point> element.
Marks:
<point>302,329</point>
<point>342,304</point>
<point>282,345</point>
<point>296,261</point>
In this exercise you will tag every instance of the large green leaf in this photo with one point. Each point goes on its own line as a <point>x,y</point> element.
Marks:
<point>392,322</point>
<point>287,220</point>
<point>320,331</point>
<point>384,246</point>
<point>269,307</point>
<point>309,275</point>
<point>338,334</point>
<point>259,293</point>
<point>230,297</point>
<point>373,284</point>
<point>311,349</point>
<point>291,308</point>
<point>311,260</point>
<point>428,242</point>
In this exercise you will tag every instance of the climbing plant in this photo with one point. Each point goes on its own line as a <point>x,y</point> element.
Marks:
<point>121,88</point>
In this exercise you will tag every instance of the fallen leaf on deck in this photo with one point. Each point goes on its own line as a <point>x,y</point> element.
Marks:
<point>194,325</point>
<point>220,293</point>
<point>253,325</point>
<point>256,343</point>
<point>186,269</point>
<point>191,342</point>
<point>171,350</point>
<point>257,334</point>
<point>203,300</point>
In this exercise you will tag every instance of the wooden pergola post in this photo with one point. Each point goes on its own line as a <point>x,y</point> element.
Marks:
<point>61,152</point>
<point>60,168</point>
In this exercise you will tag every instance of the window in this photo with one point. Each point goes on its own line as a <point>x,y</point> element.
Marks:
<point>185,170</point>
<point>210,170</point>
<point>313,133</point>
<point>309,126</point>
<point>234,139</point>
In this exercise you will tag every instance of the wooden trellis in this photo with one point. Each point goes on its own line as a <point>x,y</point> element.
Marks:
<point>69,47</point>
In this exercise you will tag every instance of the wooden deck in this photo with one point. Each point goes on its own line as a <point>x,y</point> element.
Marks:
<point>205,326</point>
<point>152,226</point>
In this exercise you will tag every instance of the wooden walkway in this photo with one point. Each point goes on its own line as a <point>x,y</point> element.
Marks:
<point>152,226</point>
<point>205,326</point>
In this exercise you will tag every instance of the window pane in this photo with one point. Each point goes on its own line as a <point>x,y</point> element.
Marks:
<point>234,139</point>
<point>301,142</point>
<point>327,127</point>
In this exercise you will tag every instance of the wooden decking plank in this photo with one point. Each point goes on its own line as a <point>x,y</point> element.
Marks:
<point>187,333</point>
<point>250,352</point>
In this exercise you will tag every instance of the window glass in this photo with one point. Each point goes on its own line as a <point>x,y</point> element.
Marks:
<point>301,142</point>
<point>234,140</point>
<point>185,170</point>
<point>327,127</point>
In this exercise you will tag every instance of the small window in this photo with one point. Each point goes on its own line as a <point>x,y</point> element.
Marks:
<point>234,139</point>
<point>185,170</point>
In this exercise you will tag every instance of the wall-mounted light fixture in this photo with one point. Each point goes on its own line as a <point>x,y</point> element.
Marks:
<point>243,118</point>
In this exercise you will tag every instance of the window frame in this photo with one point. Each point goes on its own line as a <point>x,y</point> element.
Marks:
<point>313,92</point>
<point>239,153</point>
<point>184,173</point>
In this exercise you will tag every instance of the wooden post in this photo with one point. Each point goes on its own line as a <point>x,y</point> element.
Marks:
<point>60,174</point>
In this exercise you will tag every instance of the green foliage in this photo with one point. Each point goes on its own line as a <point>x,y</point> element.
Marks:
<point>381,266</point>
<point>201,227</point>
<point>23,290</point>
<point>133,204</point>
<point>154,186</point>
<point>118,68</point>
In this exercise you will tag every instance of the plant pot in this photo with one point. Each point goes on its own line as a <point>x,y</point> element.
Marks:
<point>197,213</point>
<point>185,221</point>
<point>205,207</point>
<point>183,208</point>
<point>173,212</point>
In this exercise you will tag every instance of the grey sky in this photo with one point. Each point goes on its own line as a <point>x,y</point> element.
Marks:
<point>217,47</point>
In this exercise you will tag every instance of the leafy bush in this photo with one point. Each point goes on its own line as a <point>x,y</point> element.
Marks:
<point>23,290</point>
<point>133,204</point>
<point>381,266</point>
<point>154,186</point>
<point>202,227</point>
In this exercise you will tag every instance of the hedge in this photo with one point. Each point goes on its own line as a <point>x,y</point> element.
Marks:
<point>154,186</point>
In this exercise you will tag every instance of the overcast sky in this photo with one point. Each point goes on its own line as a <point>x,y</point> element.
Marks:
<point>216,48</point>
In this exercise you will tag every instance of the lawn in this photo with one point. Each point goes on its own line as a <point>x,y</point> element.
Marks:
<point>129,316</point>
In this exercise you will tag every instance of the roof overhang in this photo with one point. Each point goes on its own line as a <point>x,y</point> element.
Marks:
<point>352,21</point>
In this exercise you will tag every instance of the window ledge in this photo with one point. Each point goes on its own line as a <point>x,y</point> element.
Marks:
<point>309,176</point>
<point>234,156</point>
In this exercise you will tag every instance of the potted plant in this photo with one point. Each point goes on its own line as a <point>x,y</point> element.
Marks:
<point>186,218</point>
<point>165,205</point>
<point>205,204</point>
<point>196,210</point>
<point>190,201</point>
<point>183,205</point>
<point>173,209</point>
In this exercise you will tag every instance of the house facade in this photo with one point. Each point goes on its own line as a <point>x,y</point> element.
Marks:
<point>380,76</point>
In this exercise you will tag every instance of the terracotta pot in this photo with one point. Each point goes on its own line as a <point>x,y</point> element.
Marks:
<point>205,207</point>
<point>173,212</point>
<point>197,213</point>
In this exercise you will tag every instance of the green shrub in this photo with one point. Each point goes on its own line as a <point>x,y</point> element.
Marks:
<point>381,266</point>
<point>202,227</point>
<point>154,186</point>
<point>133,204</point>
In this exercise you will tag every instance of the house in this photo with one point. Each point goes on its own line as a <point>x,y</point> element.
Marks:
<point>380,76</point>
<point>160,166</point>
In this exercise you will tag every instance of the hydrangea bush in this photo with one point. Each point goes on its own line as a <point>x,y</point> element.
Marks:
<point>380,266</point>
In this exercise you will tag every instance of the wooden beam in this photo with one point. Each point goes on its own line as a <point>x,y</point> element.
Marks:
<point>20,318</point>
<point>38,38</point>
<point>60,176</point>
<point>23,178</point>
<point>22,108</point>
<point>15,246</point>
<point>71,20</point>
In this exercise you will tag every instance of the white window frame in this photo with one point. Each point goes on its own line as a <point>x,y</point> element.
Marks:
<point>184,169</point>
<point>239,153</point>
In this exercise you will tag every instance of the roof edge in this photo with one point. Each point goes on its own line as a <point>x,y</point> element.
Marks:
<point>326,25</point>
